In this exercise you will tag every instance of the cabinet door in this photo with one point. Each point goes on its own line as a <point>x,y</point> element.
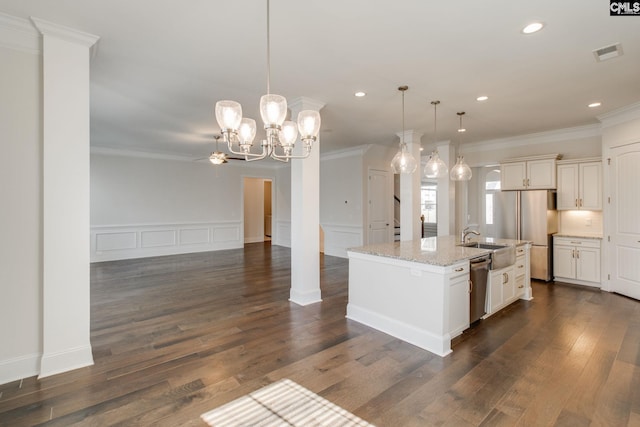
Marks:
<point>508,285</point>
<point>564,262</point>
<point>459,305</point>
<point>588,264</point>
<point>494,293</point>
<point>541,174</point>
<point>590,186</point>
<point>568,187</point>
<point>513,176</point>
<point>520,285</point>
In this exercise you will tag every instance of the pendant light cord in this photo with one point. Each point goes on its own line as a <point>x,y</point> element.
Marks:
<point>403,118</point>
<point>268,53</point>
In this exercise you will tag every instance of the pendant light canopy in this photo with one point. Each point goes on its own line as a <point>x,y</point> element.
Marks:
<point>435,167</point>
<point>403,161</point>
<point>460,171</point>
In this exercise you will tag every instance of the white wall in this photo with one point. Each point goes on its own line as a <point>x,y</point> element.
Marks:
<point>148,206</point>
<point>20,215</point>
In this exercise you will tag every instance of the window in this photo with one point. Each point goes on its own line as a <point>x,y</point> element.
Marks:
<point>491,186</point>
<point>428,202</point>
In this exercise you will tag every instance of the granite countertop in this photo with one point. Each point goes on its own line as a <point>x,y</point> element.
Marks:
<point>442,251</point>
<point>580,235</point>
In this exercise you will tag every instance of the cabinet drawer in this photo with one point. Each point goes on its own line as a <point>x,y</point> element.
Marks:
<point>577,242</point>
<point>520,266</point>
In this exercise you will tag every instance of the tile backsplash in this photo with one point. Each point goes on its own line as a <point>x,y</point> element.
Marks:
<point>584,222</point>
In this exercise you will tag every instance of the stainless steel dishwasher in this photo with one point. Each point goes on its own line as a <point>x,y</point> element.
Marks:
<point>478,287</point>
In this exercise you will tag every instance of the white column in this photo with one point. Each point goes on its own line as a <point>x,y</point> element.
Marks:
<point>305,217</point>
<point>65,252</point>
<point>446,192</point>
<point>410,191</point>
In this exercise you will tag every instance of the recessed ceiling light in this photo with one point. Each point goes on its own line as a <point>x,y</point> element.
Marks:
<point>482,98</point>
<point>533,27</point>
<point>421,149</point>
<point>595,104</point>
<point>360,94</point>
<point>462,130</point>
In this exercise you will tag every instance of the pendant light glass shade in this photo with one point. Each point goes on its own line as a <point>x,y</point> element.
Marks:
<point>435,167</point>
<point>273,110</point>
<point>460,171</point>
<point>403,161</point>
<point>228,114</point>
<point>288,134</point>
<point>308,124</point>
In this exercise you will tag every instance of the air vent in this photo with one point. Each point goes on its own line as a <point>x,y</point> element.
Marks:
<point>608,52</point>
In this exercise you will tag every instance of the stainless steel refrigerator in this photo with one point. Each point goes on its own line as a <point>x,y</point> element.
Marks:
<point>527,215</point>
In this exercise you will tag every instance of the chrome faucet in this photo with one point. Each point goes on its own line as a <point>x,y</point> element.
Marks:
<point>465,233</point>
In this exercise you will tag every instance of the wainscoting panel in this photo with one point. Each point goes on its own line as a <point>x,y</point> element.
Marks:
<point>116,241</point>
<point>283,234</point>
<point>109,243</point>
<point>338,238</point>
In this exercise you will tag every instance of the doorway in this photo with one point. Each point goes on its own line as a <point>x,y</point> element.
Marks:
<point>258,209</point>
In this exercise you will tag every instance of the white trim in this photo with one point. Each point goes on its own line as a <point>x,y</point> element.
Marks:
<point>360,150</point>
<point>125,152</point>
<point>621,115</point>
<point>19,34</point>
<point>69,34</point>
<point>440,345</point>
<point>67,360</point>
<point>306,298</point>
<point>16,368</point>
<point>115,242</point>
<point>558,135</point>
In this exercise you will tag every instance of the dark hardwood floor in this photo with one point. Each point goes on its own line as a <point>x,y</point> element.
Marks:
<point>174,337</point>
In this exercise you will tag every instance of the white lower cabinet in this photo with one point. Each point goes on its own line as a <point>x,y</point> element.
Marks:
<point>501,290</point>
<point>576,260</point>
<point>459,300</point>
<point>510,283</point>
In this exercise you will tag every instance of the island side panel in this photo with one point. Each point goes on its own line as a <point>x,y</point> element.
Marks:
<point>406,300</point>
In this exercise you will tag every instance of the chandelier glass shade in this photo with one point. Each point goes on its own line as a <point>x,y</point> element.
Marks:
<point>403,161</point>
<point>281,135</point>
<point>435,167</point>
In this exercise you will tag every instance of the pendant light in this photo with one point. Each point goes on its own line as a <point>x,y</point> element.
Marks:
<point>403,161</point>
<point>460,171</point>
<point>435,167</point>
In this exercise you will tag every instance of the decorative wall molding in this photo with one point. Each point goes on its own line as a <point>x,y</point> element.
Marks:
<point>19,34</point>
<point>110,243</point>
<point>339,237</point>
<point>283,233</point>
<point>17,368</point>
<point>339,154</point>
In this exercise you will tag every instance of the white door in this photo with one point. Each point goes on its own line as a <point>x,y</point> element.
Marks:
<point>379,201</point>
<point>624,223</point>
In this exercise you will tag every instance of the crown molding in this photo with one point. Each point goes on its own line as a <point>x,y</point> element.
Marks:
<point>47,28</point>
<point>19,34</point>
<point>123,152</point>
<point>559,135</point>
<point>304,103</point>
<point>360,150</point>
<point>621,115</point>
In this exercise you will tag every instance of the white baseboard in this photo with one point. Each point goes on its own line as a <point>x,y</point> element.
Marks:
<point>19,367</point>
<point>109,243</point>
<point>440,345</point>
<point>63,361</point>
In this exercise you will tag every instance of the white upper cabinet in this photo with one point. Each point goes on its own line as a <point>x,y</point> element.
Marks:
<point>529,173</point>
<point>580,184</point>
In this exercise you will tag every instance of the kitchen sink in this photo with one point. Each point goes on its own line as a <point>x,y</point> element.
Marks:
<point>501,255</point>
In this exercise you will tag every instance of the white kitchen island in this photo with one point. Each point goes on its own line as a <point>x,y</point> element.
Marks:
<point>417,291</point>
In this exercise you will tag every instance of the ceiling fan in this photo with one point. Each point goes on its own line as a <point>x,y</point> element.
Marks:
<point>218,157</point>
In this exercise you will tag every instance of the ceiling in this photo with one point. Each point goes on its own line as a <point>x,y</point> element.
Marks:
<point>161,65</point>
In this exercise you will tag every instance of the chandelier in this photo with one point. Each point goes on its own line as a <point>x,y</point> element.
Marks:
<point>403,161</point>
<point>239,132</point>
<point>435,167</point>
